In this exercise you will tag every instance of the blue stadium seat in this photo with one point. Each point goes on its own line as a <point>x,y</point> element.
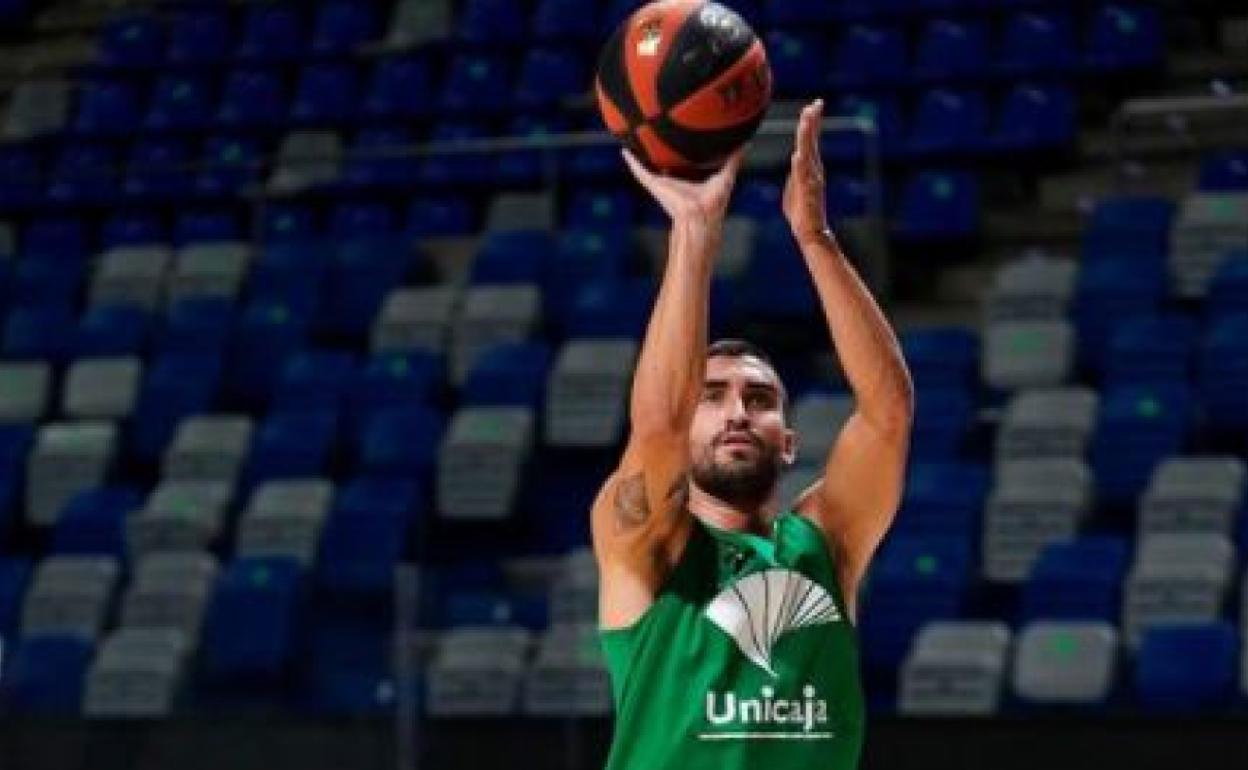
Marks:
<point>15,574</point>
<point>846,196</point>
<point>291,444</point>
<point>512,256</point>
<point>316,380</point>
<point>362,272</point>
<point>1151,349</point>
<point>550,77</point>
<point>1224,171</point>
<point>1130,226</point>
<point>205,225</point>
<point>133,228</point>
<point>264,338</point>
<point>1228,290</point>
<point>491,21</point>
<point>373,160</point>
<point>610,308</point>
<point>776,283</point>
<point>943,498</point>
<point>47,281</point>
<point>952,51</point>
<point>157,169</point>
<point>799,65</point>
<point>939,205</point>
<point>566,20</point>
<point>512,374</point>
<point>174,385</point>
<point>949,122</point>
<point>1185,668</point>
<point>1034,117</point>
<point>367,533</point>
<point>870,57</point>
<point>1222,374</point>
<point>107,108</point>
<point>869,10</point>
<point>252,98</point>
<point>850,146</point>
<point>400,87</point>
<point>199,36</point>
<point>476,83</point>
<point>361,220</point>
<point>1078,579</point>
<point>271,33</point>
<point>132,40</point>
<point>582,256</point>
<point>55,237</point>
<point>94,521</point>
<point>1110,291</point>
<point>24,184</point>
<point>118,330</point>
<point>43,332</point>
<point>1036,43</point>
<point>799,13</point>
<point>295,225</point>
<point>1124,37</point>
<point>45,675</point>
<point>941,356</point>
<point>180,101</point>
<point>198,325</point>
<point>943,418</point>
<point>605,209</point>
<point>527,167</point>
<point>84,174</point>
<point>400,443</point>
<point>1138,427</point>
<point>252,622</point>
<point>442,216</point>
<point>326,93</point>
<point>347,671</point>
<point>459,169</point>
<point>343,25</point>
<point>395,380</point>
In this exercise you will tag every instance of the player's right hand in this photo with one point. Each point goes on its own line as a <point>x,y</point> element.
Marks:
<point>705,201</point>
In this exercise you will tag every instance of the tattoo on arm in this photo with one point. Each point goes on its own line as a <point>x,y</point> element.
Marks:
<point>631,508</point>
<point>678,493</point>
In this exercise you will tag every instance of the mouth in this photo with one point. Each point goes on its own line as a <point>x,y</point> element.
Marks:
<point>738,440</point>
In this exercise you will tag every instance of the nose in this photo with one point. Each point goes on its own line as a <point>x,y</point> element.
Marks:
<point>736,415</point>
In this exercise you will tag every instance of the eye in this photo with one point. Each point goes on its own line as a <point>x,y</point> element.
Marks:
<point>760,400</point>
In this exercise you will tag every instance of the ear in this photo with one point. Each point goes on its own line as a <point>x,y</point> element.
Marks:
<point>789,454</point>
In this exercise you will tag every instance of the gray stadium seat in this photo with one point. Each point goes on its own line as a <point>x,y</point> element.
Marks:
<point>1060,662</point>
<point>179,515</point>
<point>481,462</point>
<point>1028,354</point>
<point>306,159</point>
<point>491,315</point>
<point>170,590</point>
<point>8,241</point>
<point>587,392</point>
<point>37,108</point>
<point>1032,504</point>
<point>1047,422</point>
<point>568,676</point>
<point>1036,287</point>
<point>24,390</point>
<point>818,419</point>
<point>522,211</point>
<point>68,457</point>
<point>419,21</point>
<point>209,448</point>
<point>136,674</point>
<point>1177,578</point>
<point>955,667</point>
<point>477,671</point>
<point>131,275</point>
<point>209,270</point>
<point>69,595</point>
<point>102,388</point>
<point>574,589</point>
<point>416,319</point>
<point>1193,494</point>
<point>285,518</point>
<point>796,480</point>
<point>740,234</point>
<point>1209,227</point>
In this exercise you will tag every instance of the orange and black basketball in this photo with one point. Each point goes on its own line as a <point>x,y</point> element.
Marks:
<point>683,83</point>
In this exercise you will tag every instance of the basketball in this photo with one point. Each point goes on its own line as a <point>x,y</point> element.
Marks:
<point>683,83</point>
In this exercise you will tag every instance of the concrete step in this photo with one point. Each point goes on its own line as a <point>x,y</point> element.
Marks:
<point>1079,190</point>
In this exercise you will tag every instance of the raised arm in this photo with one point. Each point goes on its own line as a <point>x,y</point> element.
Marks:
<point>641,507</point>
<point>856,499</point>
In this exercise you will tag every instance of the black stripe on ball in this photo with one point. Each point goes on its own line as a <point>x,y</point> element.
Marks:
<point>614,78</point>
<point>710,41</point>
<point>704,147</point>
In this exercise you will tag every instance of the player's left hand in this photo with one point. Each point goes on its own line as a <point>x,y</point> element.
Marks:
<point>804,196</point>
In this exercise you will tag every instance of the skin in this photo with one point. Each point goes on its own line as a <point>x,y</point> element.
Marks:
<point>692,420</point>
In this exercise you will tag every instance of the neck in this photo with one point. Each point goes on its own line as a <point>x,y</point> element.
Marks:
<point>732,517</point>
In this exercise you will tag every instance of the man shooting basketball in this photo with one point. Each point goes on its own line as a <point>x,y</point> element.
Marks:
<point>727,618</point>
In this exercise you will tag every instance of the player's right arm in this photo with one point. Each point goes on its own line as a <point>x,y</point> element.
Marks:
<point>639,516</point>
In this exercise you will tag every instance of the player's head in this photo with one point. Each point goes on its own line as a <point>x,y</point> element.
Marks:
<point>740,439</point>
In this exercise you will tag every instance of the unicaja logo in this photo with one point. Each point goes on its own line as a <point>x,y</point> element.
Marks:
<point>801,716</point>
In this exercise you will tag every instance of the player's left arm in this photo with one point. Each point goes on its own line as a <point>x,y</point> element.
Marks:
<point>858,495</point>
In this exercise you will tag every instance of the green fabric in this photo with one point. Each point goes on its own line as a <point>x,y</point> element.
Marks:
<point>689,696</point>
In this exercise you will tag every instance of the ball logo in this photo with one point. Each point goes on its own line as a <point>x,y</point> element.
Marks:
<point>651,38</point>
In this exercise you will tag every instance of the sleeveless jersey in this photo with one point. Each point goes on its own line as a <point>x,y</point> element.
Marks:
<point>746,659</point>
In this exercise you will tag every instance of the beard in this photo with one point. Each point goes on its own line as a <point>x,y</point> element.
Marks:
<point>739,482</point>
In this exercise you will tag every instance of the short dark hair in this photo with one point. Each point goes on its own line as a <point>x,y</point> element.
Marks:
<point>738,348</point>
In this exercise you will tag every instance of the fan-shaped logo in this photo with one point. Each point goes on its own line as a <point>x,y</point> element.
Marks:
<point>759,609</point>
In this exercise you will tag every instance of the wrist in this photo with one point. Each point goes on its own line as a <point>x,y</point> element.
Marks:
<point>816,238</point>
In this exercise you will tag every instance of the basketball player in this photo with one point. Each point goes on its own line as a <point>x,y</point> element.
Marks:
<point>727,615</point>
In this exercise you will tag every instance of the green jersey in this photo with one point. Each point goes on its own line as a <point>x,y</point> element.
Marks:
<point>745,660</point>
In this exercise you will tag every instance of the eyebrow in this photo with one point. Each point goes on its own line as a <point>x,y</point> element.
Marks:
<point>748,386</point>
